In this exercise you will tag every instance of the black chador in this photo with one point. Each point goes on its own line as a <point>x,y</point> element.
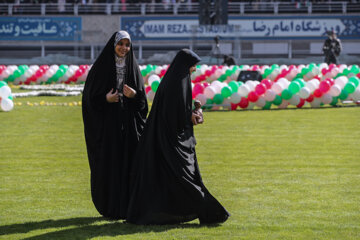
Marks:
<point>166,186</point>
<point>112,130</point>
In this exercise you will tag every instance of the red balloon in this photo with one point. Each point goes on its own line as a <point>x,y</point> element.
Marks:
<point>260,89</point>
<point>206,84</point>
<point>252,96</point>
<point>318,93</point>
<point>324,71</point>
<point>44,67</point>
<point>331,66</point>
<point>202,77</point>
<point>198,88</point>
<point>233,106</point>
<point>302,102</point>
<point>255,68</point>
<point>208,73</point>
<point>267,82</point>
<point>324,87</point>
<point>147,89</point>
<point>310,98</point>
<point>244,103</point>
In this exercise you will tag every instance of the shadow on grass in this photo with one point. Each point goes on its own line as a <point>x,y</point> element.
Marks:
<point>84,228</point>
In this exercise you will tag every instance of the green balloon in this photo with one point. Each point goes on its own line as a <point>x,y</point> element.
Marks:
<point>274,66</point>
<point>222,78</point>
<point>228,72</point>
<point>234,86</point>
<point>346,71</point>
<point>10,78</point>
<point>299,75</point>
<point>277,101</point>
<point>267,72</point>
<point>208,104</point>
<point>286,94</point>
<point>304,71</point>
<point>334,101</point>
<point>355,69</point>
<point>11,97</point>
<point>16,74</point>
<point>350,87</point>
<point>239,83</point>
<point>300,81</point>
<point>63,67</point>
<point>218,98</point>
<point>226,91</point>
<point>143,72</point>
<point>267,106</point>
<point>155,85</point>
<point>354,80</point>
<point>3,83</point>
<point>343,95</point>
<point>294,87</point>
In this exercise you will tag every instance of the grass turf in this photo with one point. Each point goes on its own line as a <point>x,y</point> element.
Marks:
<point>287,174</point>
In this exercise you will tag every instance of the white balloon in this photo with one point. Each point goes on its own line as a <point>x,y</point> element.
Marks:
<point>316,103</point>
<point>158,70</point>
<point>284,104</point>
<point>335,90</point>
<point>153,78</point>
<point>341,81</point>
<point>294,100</point>
<point>260,102</point>
<point>6,73</point>
<point>243,90</point>
<point>269,95</point>
<point>5,91</point>
<point>251,85</point>
<point>202,98</point>
<point>235,98</point>
<point>311,86</point>
<point>251,105</point>
<point>356,95</point>
<point>6,104</point>
<point>304,92</point>
<point>209,92</point>
<point>326,98</point>
<point>217,85</point>
<point>277,87</point>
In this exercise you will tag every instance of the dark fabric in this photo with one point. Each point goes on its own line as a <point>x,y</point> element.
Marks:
<point>112,131</point>
<point>331,49</point>
<point>166,184</point>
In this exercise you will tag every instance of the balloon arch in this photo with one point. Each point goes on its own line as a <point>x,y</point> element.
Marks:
<point>217,86</point>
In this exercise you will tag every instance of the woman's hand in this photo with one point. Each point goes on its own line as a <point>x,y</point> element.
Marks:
<point>129,92</point>
<point>194,118</point>
<point>112,97</point>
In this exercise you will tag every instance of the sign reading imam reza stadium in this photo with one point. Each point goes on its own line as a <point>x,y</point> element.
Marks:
<point>279,27</point>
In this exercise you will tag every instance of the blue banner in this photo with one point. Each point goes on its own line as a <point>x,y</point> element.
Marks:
<point>251,28</point>
<point>40,28</point>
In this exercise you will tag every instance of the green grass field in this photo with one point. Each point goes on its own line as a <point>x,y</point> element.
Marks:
<point>282,174</point>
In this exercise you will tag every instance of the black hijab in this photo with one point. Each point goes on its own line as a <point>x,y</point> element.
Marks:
<point>166,186</point>
<point>112,131</point>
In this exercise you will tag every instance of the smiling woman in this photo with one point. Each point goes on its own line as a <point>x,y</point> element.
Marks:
<point>114,111</point>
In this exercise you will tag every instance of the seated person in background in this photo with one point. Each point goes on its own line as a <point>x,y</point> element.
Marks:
<point>198,111</point>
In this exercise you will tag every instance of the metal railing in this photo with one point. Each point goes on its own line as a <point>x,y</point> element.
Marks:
<point>181,8</point>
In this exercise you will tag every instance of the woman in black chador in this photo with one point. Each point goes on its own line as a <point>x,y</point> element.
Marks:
<point>166,186</point>
<point>114,112</point>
